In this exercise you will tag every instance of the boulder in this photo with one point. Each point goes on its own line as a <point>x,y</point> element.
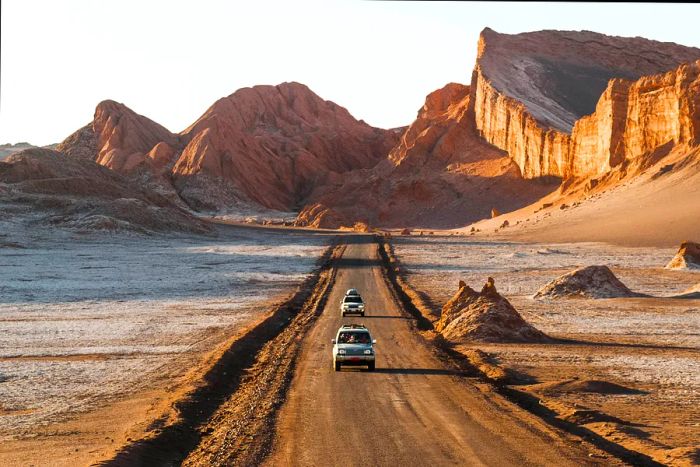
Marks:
<point>586,282</point>
<point>484,316</point>
<point>688,257</point>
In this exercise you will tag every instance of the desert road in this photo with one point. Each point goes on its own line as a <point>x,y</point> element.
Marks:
<point>412,410</point>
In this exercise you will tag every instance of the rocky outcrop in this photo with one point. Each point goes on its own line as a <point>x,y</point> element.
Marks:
<point>484,316</point>
<point>586,282</point>
<point>635,119</point>
<point>688,257</point>
<point>275,144</point>
<point>441,174</point>
<point>529,90</point>
<point>118,138</point>
<point>49,188</point>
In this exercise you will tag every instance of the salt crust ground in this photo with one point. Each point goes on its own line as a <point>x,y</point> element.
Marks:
<point>649,344</point>
<point>85,319</point>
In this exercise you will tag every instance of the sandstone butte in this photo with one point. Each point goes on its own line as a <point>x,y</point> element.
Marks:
<point>265,146</point>
<point>575,104</point>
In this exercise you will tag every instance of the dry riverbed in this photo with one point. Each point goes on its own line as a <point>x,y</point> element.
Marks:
<point>648,346</point>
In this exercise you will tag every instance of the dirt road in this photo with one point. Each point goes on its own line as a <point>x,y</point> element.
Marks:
<point>412,410</point>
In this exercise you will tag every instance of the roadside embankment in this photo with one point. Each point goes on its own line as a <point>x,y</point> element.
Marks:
<point>612,432</point>
<point>226,418</point>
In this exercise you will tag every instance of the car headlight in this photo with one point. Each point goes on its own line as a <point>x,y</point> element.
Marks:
<point>368,352</point>
<point>362,306</point>
<point>341,351</point>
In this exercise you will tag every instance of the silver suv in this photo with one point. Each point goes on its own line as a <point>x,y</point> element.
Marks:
<point>353,345</point>
<point>352,303</point>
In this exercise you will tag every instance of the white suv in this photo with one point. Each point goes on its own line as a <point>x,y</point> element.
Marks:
<point>352,304</point>
<point>353,345</point>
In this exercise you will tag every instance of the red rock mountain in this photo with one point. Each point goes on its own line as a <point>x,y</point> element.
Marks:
<point>266,146</point>
<point>119,138</point>
<point>441,174</point>
<point>541,107</point>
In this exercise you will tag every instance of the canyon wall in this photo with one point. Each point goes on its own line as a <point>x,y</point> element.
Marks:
<point>635,119</point>
<point>531,93</point>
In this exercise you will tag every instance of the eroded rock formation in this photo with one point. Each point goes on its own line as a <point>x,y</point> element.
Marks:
<point>484,316</point>
<point>545,105</point>
<point>441,174</point>
<point>50,188</point>
<point>586,282</point>
<point>688,257</point>
<point>265,147</point>
<point>275,144</point>
<point>118,138</point>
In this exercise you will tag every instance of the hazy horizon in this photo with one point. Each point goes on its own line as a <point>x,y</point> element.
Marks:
<point>169,61</point>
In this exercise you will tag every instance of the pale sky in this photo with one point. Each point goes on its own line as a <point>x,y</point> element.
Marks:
<point>170,60</point>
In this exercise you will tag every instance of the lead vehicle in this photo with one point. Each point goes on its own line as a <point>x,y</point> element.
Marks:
<point>353,345</point>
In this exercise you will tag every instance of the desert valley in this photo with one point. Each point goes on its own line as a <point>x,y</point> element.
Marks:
<point>169,298</point>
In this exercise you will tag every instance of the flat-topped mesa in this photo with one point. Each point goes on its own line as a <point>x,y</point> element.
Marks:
<point>274,144</point>
<point>529,90</point>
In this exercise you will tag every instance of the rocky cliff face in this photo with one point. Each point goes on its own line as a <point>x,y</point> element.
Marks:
<point>530,89</point>
<point>441,174</point>
<point>639,118</point>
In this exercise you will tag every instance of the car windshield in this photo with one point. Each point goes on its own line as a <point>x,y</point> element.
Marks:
<point>353,299</point>
<point>353,338</point>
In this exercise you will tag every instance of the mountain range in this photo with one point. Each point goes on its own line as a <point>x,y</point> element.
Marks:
<point>546,116</point>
